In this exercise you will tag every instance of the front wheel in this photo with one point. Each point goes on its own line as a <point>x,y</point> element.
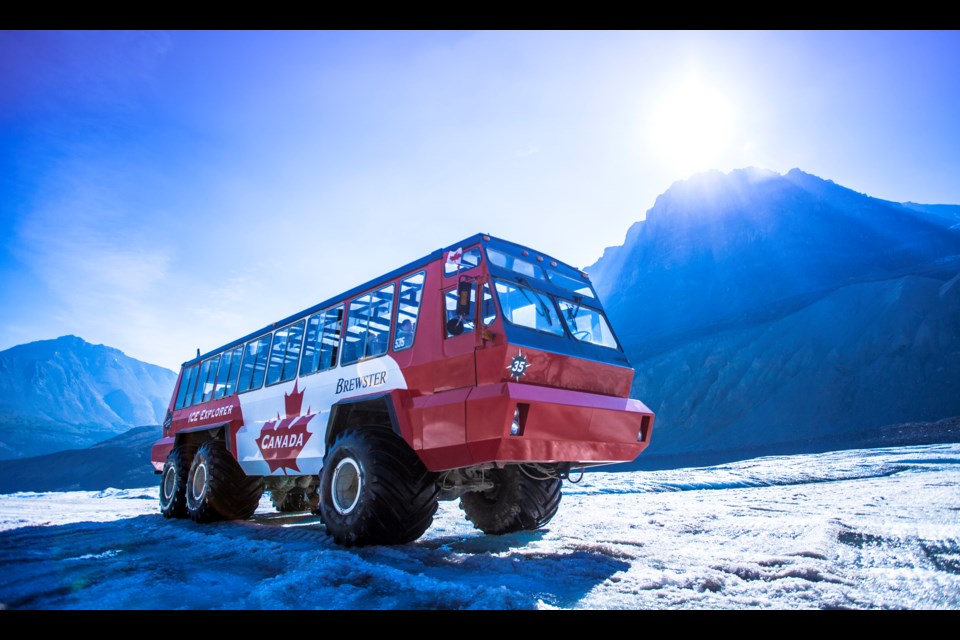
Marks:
<point>218,489</point>
<point>375,490</point>
<point>520,499</point>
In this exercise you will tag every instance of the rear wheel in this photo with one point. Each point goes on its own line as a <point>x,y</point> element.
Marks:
<point>520,499</point>
<point>218,489</point>
<point>173,481</point>
<point>375,490</point>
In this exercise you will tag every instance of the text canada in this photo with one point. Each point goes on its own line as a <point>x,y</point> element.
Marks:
<point>271,441</point>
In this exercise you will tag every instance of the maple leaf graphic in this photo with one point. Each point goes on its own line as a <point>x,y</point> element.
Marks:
<point>282,440</point>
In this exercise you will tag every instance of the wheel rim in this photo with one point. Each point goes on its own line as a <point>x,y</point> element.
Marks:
<point>169,484</point>
<point>345,486</point>
<point>198,483</point>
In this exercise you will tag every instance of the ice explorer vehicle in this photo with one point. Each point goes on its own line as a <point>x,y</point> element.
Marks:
<point>485,372</point>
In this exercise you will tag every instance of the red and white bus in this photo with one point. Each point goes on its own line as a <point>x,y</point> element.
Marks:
<point>485,372</point>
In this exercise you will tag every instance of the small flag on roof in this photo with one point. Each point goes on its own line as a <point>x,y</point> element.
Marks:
<point>455,257</point>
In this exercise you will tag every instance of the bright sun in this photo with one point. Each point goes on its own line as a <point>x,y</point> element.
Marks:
<point>691,127</point>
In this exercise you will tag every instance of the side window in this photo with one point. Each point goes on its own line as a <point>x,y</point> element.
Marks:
<point>226,360</point>
<point>227,375</point>
<point>184,395</point>
<point>285,353</point>
<point>380,315</point>
<point>208,382</point>
<point>254,364</point>
<point>234,371</point>
<point>461,261</point>
<point>310,361</point>
<point>358,318</point>
<point>408,309</point>
<point>487,307</point>
<point>452,325</point>
<point>368,325</point>
<point>260,368</point>
<point>330,343</point>
<point>198,387</point>
<point>201,379</point>
<point>292,358</point>
<point>322,342</point>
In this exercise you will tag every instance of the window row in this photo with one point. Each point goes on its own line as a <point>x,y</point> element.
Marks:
<point>309,345</point>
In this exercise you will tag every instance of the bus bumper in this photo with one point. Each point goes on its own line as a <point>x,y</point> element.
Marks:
<point>159,452</point>
<point>510,422</point>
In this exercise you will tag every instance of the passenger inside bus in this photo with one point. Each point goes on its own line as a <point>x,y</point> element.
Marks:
<point>404,335</point>
<point>376,344</point>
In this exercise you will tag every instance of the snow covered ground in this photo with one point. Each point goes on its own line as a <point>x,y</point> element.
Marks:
<point>866,529</point>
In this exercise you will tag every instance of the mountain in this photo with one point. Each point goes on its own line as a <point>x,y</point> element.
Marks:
<point>122,462</point>
<point>949,212</point>
<point>67,393</point>
<point>767,311</point>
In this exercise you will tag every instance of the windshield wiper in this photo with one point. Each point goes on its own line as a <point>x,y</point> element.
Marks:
<point>543,310</point>
<point>573,311</point>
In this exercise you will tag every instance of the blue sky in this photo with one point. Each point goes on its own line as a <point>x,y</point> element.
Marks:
<point>164,191</point>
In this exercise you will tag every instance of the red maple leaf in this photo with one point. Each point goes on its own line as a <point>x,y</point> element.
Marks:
<point>282,440</point>
<point>293,401</point>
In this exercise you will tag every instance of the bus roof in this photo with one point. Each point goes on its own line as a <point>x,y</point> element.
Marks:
<point>370,284</point>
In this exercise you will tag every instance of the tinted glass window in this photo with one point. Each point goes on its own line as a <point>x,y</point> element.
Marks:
<point>310,361</point>
<point>330,342</point>
<point>488,308</point>
<point>581,286</point>
<point>198,388</point>
<point>517,265</point>
<point>208,372</point>
<point>408,309</point>
<point>465,325</point>
<point>260,368</point>
<point>254,364</point>
<point>467,260</point>
<point>285,353</point>
<point>368,325</point>
<point>222,375</point>
<point>528,308</point>
<point>587,324</point>
<point>292,358</point>
<point>185,394</point>
<point>234,371</point>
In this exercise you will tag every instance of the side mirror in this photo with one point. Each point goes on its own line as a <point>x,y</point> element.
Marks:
<point>464,288</point>
<point>455,326</point>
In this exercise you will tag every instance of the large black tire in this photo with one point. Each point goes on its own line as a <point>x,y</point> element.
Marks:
<point>173,481</point>
<point>292,501</point>
<point>517,502</point>
<point>218,489</point>
<point>375,490</point>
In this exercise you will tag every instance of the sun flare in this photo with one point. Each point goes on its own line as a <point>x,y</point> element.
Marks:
<point>691,127</point>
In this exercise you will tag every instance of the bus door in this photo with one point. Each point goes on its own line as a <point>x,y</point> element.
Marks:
<point>456,369</point>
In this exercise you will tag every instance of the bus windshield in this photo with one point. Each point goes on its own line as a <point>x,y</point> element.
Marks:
<point>526,307</point>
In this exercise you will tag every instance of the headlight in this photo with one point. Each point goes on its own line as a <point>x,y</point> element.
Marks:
<point>515,425</point>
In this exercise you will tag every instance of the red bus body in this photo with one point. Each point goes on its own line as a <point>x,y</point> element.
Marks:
<point>534,376</point>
